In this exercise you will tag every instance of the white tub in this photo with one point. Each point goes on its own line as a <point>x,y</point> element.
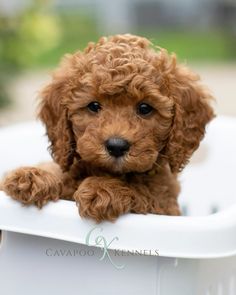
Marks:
<point>51,251</point>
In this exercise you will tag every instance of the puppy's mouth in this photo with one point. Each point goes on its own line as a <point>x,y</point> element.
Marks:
<point>118,156</point>
<point>117,165</point>
<point>131,161</point>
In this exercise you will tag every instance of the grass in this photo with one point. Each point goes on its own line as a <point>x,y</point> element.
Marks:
<point>205,46</point>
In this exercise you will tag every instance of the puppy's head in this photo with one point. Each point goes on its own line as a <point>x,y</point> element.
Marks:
<point>122,106</point>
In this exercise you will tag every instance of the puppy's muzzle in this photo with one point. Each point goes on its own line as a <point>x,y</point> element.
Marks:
<point>117,147</point>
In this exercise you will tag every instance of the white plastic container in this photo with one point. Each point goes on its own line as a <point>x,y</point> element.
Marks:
<point>49,251</point>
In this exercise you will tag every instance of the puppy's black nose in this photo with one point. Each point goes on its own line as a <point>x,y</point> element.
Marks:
<point>117,147</point>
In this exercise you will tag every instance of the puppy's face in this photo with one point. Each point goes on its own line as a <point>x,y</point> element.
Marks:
<point>121,133</point>
<point>121,106</point>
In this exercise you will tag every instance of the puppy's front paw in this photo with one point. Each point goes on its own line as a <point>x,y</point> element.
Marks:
<point>102,198</point>
<point>31,185</point>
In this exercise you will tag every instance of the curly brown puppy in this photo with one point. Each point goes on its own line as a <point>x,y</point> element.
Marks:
<point>123,120</point>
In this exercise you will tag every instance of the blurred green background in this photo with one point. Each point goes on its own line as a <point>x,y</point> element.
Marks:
<point>35,34</point>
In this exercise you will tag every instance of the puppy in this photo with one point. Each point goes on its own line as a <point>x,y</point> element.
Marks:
<point>123,120</point>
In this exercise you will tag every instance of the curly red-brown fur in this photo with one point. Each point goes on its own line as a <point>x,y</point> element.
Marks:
<point>32,185</point>
<point>119,72</point>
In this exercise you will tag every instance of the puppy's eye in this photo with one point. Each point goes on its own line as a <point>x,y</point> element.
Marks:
<point>94,106</point>
<point>144,109</point>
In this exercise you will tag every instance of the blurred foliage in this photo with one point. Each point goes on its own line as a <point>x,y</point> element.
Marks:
<point>78,30</point>
<point>193,45</point>
<point>4,98</point>
<point>23,38</point>
<point>38,37</point>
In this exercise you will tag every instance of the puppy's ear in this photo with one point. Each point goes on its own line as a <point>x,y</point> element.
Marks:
<point>54,115</point>
<point>192,111</point>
